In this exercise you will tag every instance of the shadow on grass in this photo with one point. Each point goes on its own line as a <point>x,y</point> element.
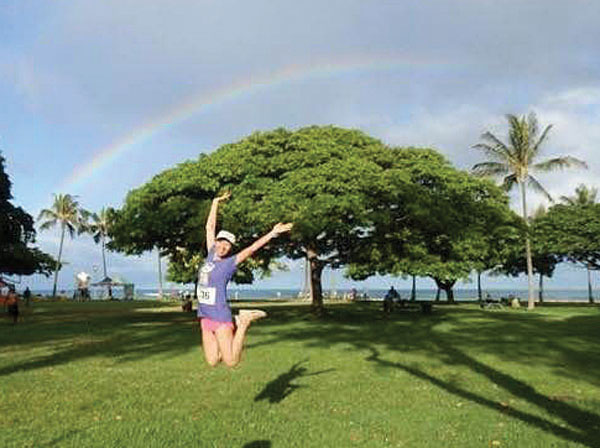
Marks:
<point>126,333</point>
<point>586,425</point>
<point>58,441</point>
<point>454,336</point>
<point>258,444</point>
<point>281,387</point>
<point>566,345</point>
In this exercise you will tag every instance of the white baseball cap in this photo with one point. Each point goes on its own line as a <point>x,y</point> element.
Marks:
<point>227,236</point>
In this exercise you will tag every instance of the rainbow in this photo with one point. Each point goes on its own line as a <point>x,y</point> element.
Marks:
<point>204,102</point>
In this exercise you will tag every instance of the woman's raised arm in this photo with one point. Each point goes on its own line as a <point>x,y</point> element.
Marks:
<point>259,243</point>
<point>211,222</point>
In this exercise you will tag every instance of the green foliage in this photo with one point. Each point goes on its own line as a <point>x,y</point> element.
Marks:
<point>16,234</point>
<point>544,261</point>
<point>353,201</point>
<point>326,180</point>
<point>67,214</point>
<point>440,222</point>
<point>584,195</point>
<point>573,233</point>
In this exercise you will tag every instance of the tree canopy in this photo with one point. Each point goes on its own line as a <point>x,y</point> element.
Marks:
<point>572,232</point>
<point>443,223</point>
<point>353,200</point>
<point>326,180</point>
<point>17,233</point>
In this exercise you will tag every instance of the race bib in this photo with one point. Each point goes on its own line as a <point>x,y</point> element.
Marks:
<point>207,296</point>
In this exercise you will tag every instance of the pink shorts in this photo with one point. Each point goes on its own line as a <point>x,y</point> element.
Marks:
<point>212,325</point>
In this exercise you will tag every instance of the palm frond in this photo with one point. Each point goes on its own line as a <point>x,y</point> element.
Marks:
<point>509,182</point>
<point>567,200</point>
<point>490,169</point>
<point>559,163</point>
<point>517,135</point>
<point>584,195</point>
<point>533,183</point>
<point>70,228</point>
<point>536,147</point>
<point>47,214</point>
<point>495,147</point>
<point>532,125</point>
<point>48,224</point>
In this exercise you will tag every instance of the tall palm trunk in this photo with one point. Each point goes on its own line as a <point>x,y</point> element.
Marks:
<point>589,276</point>
<point>531,298</point>
<point>104,257</point>
<point>60,248</point>
<point>104,265</point>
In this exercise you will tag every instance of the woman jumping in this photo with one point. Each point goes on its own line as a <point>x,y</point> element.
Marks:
<point>221,340</point>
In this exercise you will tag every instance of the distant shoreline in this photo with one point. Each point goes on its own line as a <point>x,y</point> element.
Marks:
<point>272,294</point>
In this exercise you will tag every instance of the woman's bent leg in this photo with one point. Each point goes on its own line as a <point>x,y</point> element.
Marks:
<point>230,344</point>
<point>210,347</point>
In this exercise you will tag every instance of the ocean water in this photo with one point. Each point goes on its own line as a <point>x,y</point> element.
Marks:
<point>241,293</point>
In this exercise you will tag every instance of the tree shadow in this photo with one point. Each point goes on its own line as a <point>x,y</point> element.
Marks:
<point>586,425</point>
<point>258,444</point>
<point>277,390</point>
<point>120,337</point>
<point>566,344</point>
<point>452,336</point>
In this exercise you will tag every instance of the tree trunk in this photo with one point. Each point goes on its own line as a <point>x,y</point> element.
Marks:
<point>104,265</point>
<point>413,291</point>
<point>60,248</point>
<point>541,291</point>
<point>590,293</point>
<point>104,257</point>
<point>316,291</point>
<point>437,294</point>
<point>531,297</point>
<point>479,286</point>
<point>160,284</point>
<point>447,286</point>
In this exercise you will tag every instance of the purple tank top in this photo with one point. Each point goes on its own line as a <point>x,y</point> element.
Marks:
<point>213,277</point>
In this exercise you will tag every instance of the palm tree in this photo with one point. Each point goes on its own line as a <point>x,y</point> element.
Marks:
<point>98,228</point>
<point>65,211</point>
<point>514,161</point>
<point>583,196</point>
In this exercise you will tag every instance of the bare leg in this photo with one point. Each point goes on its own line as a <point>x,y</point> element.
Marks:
<point>211,348</point>
<point>230,344</point>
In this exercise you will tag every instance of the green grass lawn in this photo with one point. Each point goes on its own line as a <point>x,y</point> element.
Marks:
<point>132,375</point>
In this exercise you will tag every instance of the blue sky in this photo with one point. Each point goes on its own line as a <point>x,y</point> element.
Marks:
<point>76,77</point>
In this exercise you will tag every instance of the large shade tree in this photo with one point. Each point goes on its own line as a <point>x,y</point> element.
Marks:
<point>583,196</point>
<point>67,214</point>
<point>17,233</point>
<point>442,223</point>
<point>515,160</point>
<point>332,183</point>
<point>572,231</point>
